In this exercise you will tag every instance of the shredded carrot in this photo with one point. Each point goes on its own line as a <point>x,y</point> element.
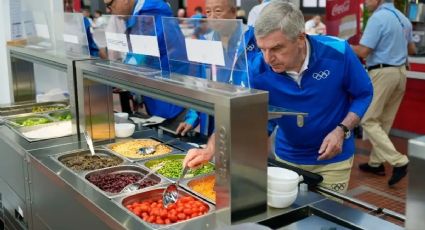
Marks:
<point>205,187</point>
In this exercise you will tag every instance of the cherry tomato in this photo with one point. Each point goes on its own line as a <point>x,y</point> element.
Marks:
<point>187,211</point>
<point>181,216</point>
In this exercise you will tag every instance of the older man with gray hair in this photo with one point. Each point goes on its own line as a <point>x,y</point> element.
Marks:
<point>319,75</point>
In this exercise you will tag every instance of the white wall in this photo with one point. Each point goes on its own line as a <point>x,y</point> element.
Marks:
<point>5,83</point>
<point>54,16</point>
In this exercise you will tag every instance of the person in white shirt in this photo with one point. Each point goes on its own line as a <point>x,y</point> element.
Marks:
<point>255,11</point>
<point>99,20</point>
<point>315,26</point>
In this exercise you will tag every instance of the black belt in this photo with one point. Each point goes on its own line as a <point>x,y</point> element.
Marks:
<point>380,66</point>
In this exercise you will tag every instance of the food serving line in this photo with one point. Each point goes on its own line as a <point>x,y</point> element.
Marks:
<point>48,188</point>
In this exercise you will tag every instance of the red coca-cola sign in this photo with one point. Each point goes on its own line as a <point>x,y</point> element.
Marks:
<point>343,18</point>
<point>339,9</point>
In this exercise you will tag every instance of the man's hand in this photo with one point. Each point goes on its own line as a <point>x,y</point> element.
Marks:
<point>332,144</point>
<point>196,157</point>
<point>183,128</point>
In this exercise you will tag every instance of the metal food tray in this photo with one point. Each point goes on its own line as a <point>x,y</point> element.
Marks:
<point>156,193</point>
<point>124,169</point>
<point>173,151</point>
<point>148,164</point>
<point>98,151</point>
<point>186,185</point>
<point>26,107</point>
<point>11,121</point>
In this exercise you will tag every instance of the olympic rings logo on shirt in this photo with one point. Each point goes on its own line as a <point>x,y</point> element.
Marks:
<point>321,75</point>
<point>250,47</point>
<point>338,186</point>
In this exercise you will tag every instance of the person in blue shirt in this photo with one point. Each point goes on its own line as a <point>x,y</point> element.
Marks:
<point>158,9</point>
<point>386,42</point>
<point>235,71</point>
<point>198,13</point>
<point>93,49</point>
<point>319,75</point>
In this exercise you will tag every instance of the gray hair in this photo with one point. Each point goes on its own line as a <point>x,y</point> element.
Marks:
<point>279,15</point>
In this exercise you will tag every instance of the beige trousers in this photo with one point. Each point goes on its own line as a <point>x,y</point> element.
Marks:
<point>389,85</point>
<point>336,176</point>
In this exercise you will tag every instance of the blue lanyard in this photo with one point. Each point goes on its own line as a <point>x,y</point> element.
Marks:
<point>396,15</point>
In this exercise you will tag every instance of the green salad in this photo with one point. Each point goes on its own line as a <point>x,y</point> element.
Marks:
<point>66,116</point>
<point>33,121</point>
<point>173,168</point>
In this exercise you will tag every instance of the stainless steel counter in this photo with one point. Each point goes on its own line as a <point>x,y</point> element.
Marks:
<point>60,199</point>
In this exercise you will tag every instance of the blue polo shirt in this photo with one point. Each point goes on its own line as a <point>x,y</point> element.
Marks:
<point>334,84</point>
<point>158,9</point>
<point>387,33</point>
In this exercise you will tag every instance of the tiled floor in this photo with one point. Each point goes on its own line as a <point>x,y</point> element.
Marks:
<point>374,189</point>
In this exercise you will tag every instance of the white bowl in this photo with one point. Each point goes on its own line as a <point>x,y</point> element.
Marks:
<point>120,117</point>
<point>281,201</point>
<point>124,129</point>
<point>283,186</point>
<point>277,174</point>
<point>279,193</point>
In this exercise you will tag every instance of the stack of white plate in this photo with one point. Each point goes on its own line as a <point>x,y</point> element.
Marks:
<point>282,187</point>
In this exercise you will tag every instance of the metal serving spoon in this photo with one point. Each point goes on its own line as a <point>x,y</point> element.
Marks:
<point>89,142</point>
<point>171,193</point>
<point>152,149</point>
<point>136,185</point>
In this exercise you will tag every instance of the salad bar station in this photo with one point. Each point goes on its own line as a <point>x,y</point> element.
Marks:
<point>57,183</point>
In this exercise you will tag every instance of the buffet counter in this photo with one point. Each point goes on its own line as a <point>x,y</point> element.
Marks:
<point>412,108</point>
<point>59,197</point>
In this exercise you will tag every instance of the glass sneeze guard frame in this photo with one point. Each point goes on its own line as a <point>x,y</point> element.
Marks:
<point>131,43</point>
<point>241,136</point>
<point>213,49</point>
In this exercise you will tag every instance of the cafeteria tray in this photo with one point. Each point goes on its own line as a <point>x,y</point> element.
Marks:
<point>173,150</point>
<point>149,163</point>
<point>99,151</point>
<point>156,194</point>
<point>123,169</point>
<point>186,183</point>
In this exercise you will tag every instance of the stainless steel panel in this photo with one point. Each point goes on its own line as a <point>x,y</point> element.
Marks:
<point>12,167</point>
<point>313,222</point>
<point>415,206</point>
<point>97,113</point>
<point>59,203</point>
<point>353,217</point>
<point>23,80</point>
<point>124,169</point>
<point>15,208</point>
